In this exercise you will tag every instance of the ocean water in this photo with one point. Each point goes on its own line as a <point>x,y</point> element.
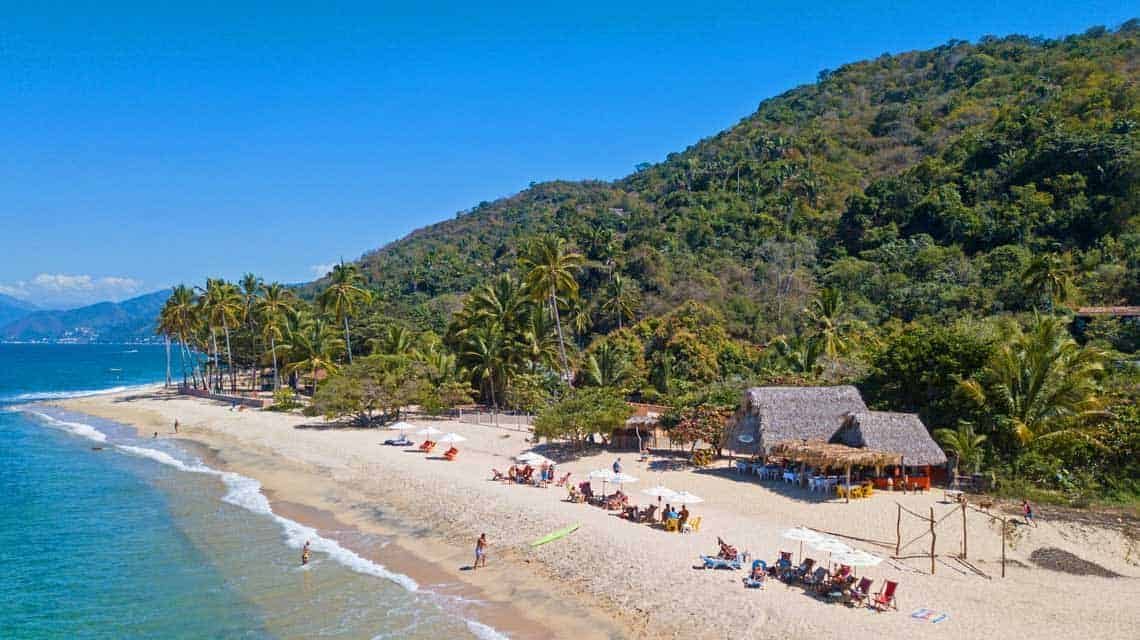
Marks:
<point>107,535</point>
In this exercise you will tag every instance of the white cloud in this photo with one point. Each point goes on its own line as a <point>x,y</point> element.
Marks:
<point>63,289</point>
<point>321,270</point>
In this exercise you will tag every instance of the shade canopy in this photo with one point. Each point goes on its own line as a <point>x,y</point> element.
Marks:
<point>452,437</point>
<point>823,454</point>
<point>857,559</point>
<point>428,431</point>
<point>622,478</point>
<point>660,491</point>
<point>803,534</point>
<point>533,458</point>
<point>830,545</point>
<point>402,426</point>
<point>684,497</point>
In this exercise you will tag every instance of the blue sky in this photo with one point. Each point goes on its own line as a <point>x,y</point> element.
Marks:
<point>146,145</point>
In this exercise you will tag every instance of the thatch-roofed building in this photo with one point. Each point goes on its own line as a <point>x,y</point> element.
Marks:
<point>770,415</point>
<point>901,433</point>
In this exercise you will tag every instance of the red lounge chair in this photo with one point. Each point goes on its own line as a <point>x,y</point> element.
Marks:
<point>498,475</point>
<point>427,446</point>
<point>886,598</point>
<point>451,453</point>
<point>862,591</point>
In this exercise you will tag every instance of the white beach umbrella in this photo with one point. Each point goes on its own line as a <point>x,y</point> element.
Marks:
<point>622,478</point>
<point>802,534</point>
<point>684,497</point>
<point>831,546</point>
<point>452,438</point>
<point>857,558</point>
<point>659,491</point>
<point>605,475</point>
<point>428,431</point>
<point>531,457</point>
<point>402,426</point>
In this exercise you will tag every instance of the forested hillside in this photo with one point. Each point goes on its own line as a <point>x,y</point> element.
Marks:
<point>922,225</point>
<point>922,183</point>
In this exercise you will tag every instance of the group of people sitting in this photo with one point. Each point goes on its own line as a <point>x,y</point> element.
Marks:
<point>525,474</point>
<point>839,585</point>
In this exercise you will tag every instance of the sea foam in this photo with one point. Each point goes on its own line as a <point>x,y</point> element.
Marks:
<point>78,428</point>
<point>38,396</point>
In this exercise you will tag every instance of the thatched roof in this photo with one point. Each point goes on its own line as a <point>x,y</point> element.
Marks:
<point>901,433</point>
<point>770,415</point>
<point>818,453</point>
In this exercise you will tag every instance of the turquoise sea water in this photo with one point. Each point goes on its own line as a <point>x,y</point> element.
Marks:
<point>107,535</point>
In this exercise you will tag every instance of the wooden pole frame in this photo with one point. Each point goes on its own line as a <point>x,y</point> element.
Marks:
<point>933,539</point>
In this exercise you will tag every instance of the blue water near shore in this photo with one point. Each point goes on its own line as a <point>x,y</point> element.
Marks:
<point>107,535</point>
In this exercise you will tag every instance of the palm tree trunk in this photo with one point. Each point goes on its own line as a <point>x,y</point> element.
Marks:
<point>166,339</point>
<point>273,350</point>
<point>217,365</point>
<point>347,341</point>
<point>561,341</point>
<point>230,359</point>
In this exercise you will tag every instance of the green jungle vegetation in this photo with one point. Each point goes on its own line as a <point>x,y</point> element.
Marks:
<point>921,225</point>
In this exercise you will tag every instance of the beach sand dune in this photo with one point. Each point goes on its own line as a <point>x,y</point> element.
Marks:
<point>612,578</point>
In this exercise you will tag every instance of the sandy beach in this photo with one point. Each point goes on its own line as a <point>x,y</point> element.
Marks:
<point>616,579</point>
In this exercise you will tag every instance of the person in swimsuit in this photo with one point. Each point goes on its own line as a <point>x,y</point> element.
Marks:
<point>1027,509</point>
<point>305,554</point>
<point>480,551</point>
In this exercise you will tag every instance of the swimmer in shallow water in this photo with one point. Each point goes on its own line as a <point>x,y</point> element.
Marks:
<point>305,553</point>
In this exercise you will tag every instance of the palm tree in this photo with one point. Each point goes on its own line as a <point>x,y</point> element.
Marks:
<point>550,272</point>
<point>799,355</point>
<point>177,320</point>
<point>607,367</point>
<point>394,341</point>
<point>313,347</point>
<point>621,300</point>
<point>1050,276</point>
<point>221,305</point>
<point>342,296</point>
<point>250,289</point>
<point>274,308</point>
<point>964,443</point>
<point>484,350</point>
<point>1041,384</point>
<point>826,314</point>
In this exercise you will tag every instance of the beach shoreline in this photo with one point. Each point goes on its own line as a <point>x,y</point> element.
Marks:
<point>614,579</point>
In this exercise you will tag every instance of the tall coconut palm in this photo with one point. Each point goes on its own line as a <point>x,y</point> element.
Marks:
<point>826,314</point>
<point>250,290</point>
<point>394,341</point>
<point>607,367</point>
<point>621,300</point>
<point>313,347</point>
<point>221,306</point>
<point>1041,385</point>
<point>484,352</point>
<point>965,444</point>
<point>341,297</point>
<point>273,309</point>
<point>551,269</point>
<point>177,320</point>
<point>1050,275</point>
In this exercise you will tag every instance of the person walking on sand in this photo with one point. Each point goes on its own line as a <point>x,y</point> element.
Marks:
<point>305,553</point>
<point>480,551</point>
<point>1027,509</point>
<point>617,465</point>
<point>176,425</point>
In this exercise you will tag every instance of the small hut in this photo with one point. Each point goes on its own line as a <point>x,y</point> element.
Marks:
<point>901,433</point>
<point>770,415</point>
<point>642,430</point>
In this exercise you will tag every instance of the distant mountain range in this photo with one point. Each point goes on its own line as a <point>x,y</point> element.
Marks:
<point>127,321</point>
<point>12,309</point>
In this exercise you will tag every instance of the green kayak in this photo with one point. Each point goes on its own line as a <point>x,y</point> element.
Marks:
<point>561,533</point>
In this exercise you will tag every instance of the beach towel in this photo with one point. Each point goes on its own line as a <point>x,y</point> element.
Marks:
<point>929,615</point>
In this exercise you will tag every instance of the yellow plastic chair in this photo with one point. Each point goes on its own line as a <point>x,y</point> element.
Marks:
<point>856,492</point>
<point>694,524</point>
<point>672,524</point>
<point>868,490</point>
<point>840,491</point>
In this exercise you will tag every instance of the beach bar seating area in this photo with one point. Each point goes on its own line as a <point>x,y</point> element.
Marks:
<point>825,440</point>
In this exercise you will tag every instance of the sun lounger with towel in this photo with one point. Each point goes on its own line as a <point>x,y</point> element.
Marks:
<point>885,599</point>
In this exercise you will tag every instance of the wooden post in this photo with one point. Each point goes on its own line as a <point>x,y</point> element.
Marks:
<point>965,548</point>
<point>1003,547</point>
<point>933,537</point>
<point>898,531</point>
<point>847,489</point>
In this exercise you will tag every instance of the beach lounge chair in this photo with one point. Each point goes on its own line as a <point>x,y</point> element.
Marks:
<point>694,524</point>
<point>816,579</point>
<point>402,441</point>
<point>885,599</point>
<point>451,453</point>
<point>427,446</point>
<point>499,475</point>
<point>562,481</point>
<point>647,513</point>
<point>799,572</point>
<point>862,591</point>
<point>841,578</point>
<point>755,579</point>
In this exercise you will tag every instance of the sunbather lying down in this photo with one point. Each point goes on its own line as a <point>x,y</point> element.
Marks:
<point>727,551</point>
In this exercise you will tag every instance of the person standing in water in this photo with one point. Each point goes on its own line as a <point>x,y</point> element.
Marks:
<point>176,425</point>
<point>480,551</point>
<point>305,553</point>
